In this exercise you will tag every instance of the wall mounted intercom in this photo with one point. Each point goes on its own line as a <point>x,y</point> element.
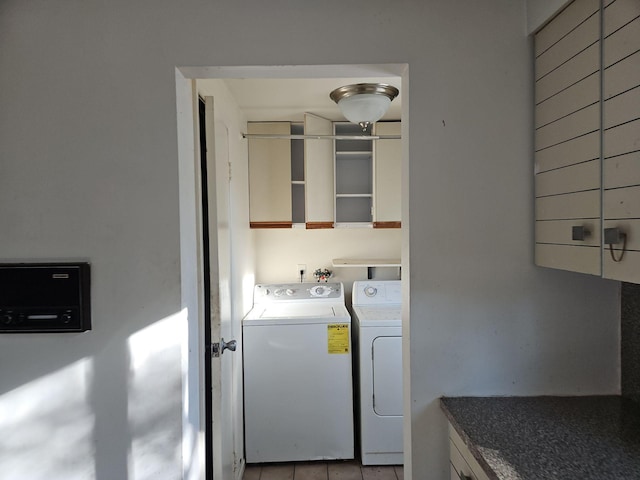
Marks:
<point>45,297</point>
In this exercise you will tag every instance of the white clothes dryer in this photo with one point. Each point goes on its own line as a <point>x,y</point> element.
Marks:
<point>377,329</point>
<point>298,381</point>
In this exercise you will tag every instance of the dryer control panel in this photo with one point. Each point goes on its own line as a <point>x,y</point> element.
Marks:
<point>381,292</point>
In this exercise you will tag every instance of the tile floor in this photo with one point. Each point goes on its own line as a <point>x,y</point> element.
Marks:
<point>340,470</point>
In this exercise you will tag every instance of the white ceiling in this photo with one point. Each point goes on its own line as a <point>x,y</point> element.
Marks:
<point>287,99</point>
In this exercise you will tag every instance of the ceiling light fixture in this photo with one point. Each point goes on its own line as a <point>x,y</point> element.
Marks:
<point>364,103</point>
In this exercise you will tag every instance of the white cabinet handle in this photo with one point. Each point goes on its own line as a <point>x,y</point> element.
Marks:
<point>613,236</point>
<point>579,233</point>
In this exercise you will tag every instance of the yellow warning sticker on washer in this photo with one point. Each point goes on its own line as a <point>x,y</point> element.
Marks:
<point>338,337</point>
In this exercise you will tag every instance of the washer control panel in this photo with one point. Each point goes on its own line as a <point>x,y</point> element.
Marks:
<point>291,292</point>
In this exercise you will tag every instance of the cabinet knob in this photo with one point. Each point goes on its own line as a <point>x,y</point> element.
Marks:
<point>579,232</point>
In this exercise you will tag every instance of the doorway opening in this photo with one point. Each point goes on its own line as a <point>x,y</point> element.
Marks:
<point>202,432</point>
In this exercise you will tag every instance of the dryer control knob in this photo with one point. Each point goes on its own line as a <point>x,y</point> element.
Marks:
<point>370,291</point>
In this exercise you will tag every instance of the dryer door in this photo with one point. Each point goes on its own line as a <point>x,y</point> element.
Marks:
<point>387,376</point>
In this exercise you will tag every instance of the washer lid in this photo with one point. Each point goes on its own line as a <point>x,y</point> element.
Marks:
<point>297,313</point>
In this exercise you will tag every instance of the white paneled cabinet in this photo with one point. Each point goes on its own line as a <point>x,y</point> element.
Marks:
<point>269,176</point>
<point>368,176</point>
<point>318,160</point>
<point>567,140</point>
<point>587,139</point>
<point>621,139</point>
<point>387,176</point>
<point>463,465</point>
<point>345,181</point>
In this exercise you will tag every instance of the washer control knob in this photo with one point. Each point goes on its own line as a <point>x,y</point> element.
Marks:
<point>290,291</point>
<point>66,317</point>
<point>6,319</point>
<point>320,291</point>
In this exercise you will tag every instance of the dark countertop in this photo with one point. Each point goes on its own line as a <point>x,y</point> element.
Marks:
<point>531,438</point>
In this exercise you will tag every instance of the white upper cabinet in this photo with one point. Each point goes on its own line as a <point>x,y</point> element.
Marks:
<point>318,161</point>
<point>368,176</point>
<point>270,176</point>
<point>587,140</point>
<point>621,140</point>
<point>567,140</point>
<point>321,182</point>
<point>388,175</point>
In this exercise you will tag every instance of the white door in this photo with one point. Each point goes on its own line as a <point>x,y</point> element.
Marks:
<point>224,411</point>
<point>386,357</point>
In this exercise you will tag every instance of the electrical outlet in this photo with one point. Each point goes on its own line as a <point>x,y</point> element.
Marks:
<point>301,271</point>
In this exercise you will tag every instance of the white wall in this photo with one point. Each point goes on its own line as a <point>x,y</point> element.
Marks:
<point>279,251</point>
<point>540,11</point>
<point>89,171</point>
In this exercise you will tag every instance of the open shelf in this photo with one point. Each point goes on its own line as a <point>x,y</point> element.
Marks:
<point>366,262</point>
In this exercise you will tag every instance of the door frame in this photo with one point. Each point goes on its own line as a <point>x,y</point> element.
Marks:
<point>191,248</point>
<point>206,284</point>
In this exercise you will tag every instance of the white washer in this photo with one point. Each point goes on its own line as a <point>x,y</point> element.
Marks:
<point>298,394</point>
<point>377,329</point>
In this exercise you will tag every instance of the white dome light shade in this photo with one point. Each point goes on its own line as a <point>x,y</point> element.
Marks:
<point>364,103</point>
<point>366,107</point>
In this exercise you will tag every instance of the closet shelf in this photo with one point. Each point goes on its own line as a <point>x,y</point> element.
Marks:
<point>367,262</point>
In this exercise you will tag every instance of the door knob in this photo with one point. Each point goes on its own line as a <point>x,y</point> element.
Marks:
<point>230,345</point>
<point>218,349</point>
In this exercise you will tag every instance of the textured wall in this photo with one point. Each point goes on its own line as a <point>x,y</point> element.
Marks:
<point>89,169</point>
<point>539,11</point>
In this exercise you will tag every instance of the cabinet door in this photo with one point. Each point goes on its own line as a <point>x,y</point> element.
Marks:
<point>318,160</point>
<point>567,140</point>
<point>461,459</point>
<point>621,148</point>
<point>387,173</point>
<point>269,176</point>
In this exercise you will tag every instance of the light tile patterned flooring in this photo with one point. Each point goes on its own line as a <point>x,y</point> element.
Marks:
<point>340,470</point>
